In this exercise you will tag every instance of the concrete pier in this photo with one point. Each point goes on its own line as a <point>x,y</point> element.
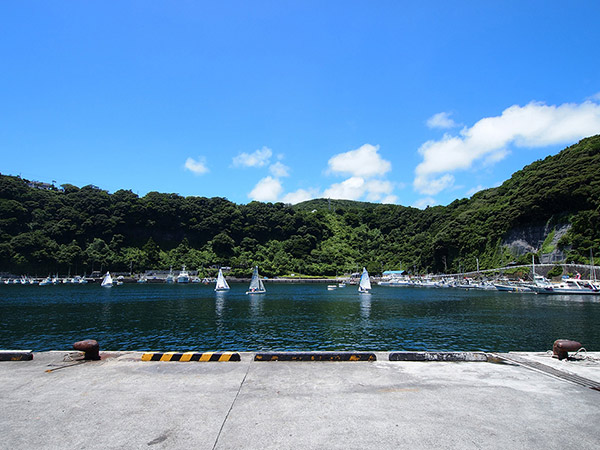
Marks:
<point>522,400</point>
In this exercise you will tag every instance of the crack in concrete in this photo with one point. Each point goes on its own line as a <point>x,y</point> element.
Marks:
<point>231,407</point>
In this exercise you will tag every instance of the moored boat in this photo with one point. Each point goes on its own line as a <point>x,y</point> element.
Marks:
<point>569,286</point>
<point>170,278</point>
<point>184,276</point>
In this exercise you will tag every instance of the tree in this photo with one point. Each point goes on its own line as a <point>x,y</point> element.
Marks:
<point>97,252</point>
<point>69,254</point>
<point>152,252</point>
<point>223,245</point>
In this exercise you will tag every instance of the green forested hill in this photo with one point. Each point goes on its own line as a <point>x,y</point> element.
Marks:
<point>81,229</point>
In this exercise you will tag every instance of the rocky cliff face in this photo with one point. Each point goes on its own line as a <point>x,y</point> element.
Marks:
<point>530,239</point>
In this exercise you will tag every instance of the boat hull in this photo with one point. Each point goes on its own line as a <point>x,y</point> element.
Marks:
<point>563,291</point>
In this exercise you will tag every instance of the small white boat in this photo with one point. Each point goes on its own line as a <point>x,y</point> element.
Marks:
<point>570,286</point>
<point>331,287</point>
<point>256,284</point>
<point>170,278</point>
<point>221,282</point>
<point>183,277</point>
<point>107,281</point>
<point>512,287</point>
<point>364,285</point>
<point>46,281</point>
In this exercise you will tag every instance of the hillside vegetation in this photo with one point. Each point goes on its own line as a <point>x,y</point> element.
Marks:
<point>81,229</point>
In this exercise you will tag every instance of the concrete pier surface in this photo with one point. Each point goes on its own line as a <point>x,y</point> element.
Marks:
<point>530,401</point>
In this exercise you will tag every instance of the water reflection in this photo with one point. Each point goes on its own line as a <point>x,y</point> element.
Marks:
<point>365,305</point>
<point>256,305</point>
<point>299,317</point>
<point>219,303</point>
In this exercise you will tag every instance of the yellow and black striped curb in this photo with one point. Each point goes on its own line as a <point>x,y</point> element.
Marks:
<point>16,355</point>
<point>315,356</point>
<point>191,356</point>
<point>439,356</point>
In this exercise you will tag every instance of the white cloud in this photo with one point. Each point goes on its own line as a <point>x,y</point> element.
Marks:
<point>196,167</point>
<point>350,189</point>
<point>300,195</point>
<point>441,120</point>
<point>495,157</point>
<point>431,186</point>
<point>355,188</point>
<point>376,189</point>
<point>422,203</point>
<point>258,158</point>
<point>474,190</point>
<point>595,97</point>
<point>532,125</point>
<point>266,190</point>
<point>390,199</point>
<point>363,162</point>
<point>279,170</point>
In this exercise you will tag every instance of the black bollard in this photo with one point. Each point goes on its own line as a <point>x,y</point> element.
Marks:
<point>90,348</point>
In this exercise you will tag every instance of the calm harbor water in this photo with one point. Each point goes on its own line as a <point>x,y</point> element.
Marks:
<point>291,317</point>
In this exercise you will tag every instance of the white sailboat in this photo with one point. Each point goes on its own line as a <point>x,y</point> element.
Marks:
<point>221,282</point>
<point>107,281</point>
<point>364,286</point>
<point>256,284</point>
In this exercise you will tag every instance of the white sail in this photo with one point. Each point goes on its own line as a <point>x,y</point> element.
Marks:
<point>256,284</point>
<point>221,282</point>
<point>107,281</point>
<point>365,282</point>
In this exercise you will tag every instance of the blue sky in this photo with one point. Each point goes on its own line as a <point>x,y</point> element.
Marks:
<point>412,103</point>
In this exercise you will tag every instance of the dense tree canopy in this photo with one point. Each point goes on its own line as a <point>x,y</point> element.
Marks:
<point>84,229</point>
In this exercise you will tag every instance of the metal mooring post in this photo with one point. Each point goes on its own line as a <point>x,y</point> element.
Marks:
<point>90,348</point>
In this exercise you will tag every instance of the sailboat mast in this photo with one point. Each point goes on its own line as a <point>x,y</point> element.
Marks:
<point>593,268</point>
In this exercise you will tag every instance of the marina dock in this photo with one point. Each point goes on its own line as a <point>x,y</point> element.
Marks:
<point>514,400</point>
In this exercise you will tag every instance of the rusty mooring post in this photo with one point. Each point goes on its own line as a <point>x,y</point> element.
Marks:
<point>90,348</point>
<point>562,347</point>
